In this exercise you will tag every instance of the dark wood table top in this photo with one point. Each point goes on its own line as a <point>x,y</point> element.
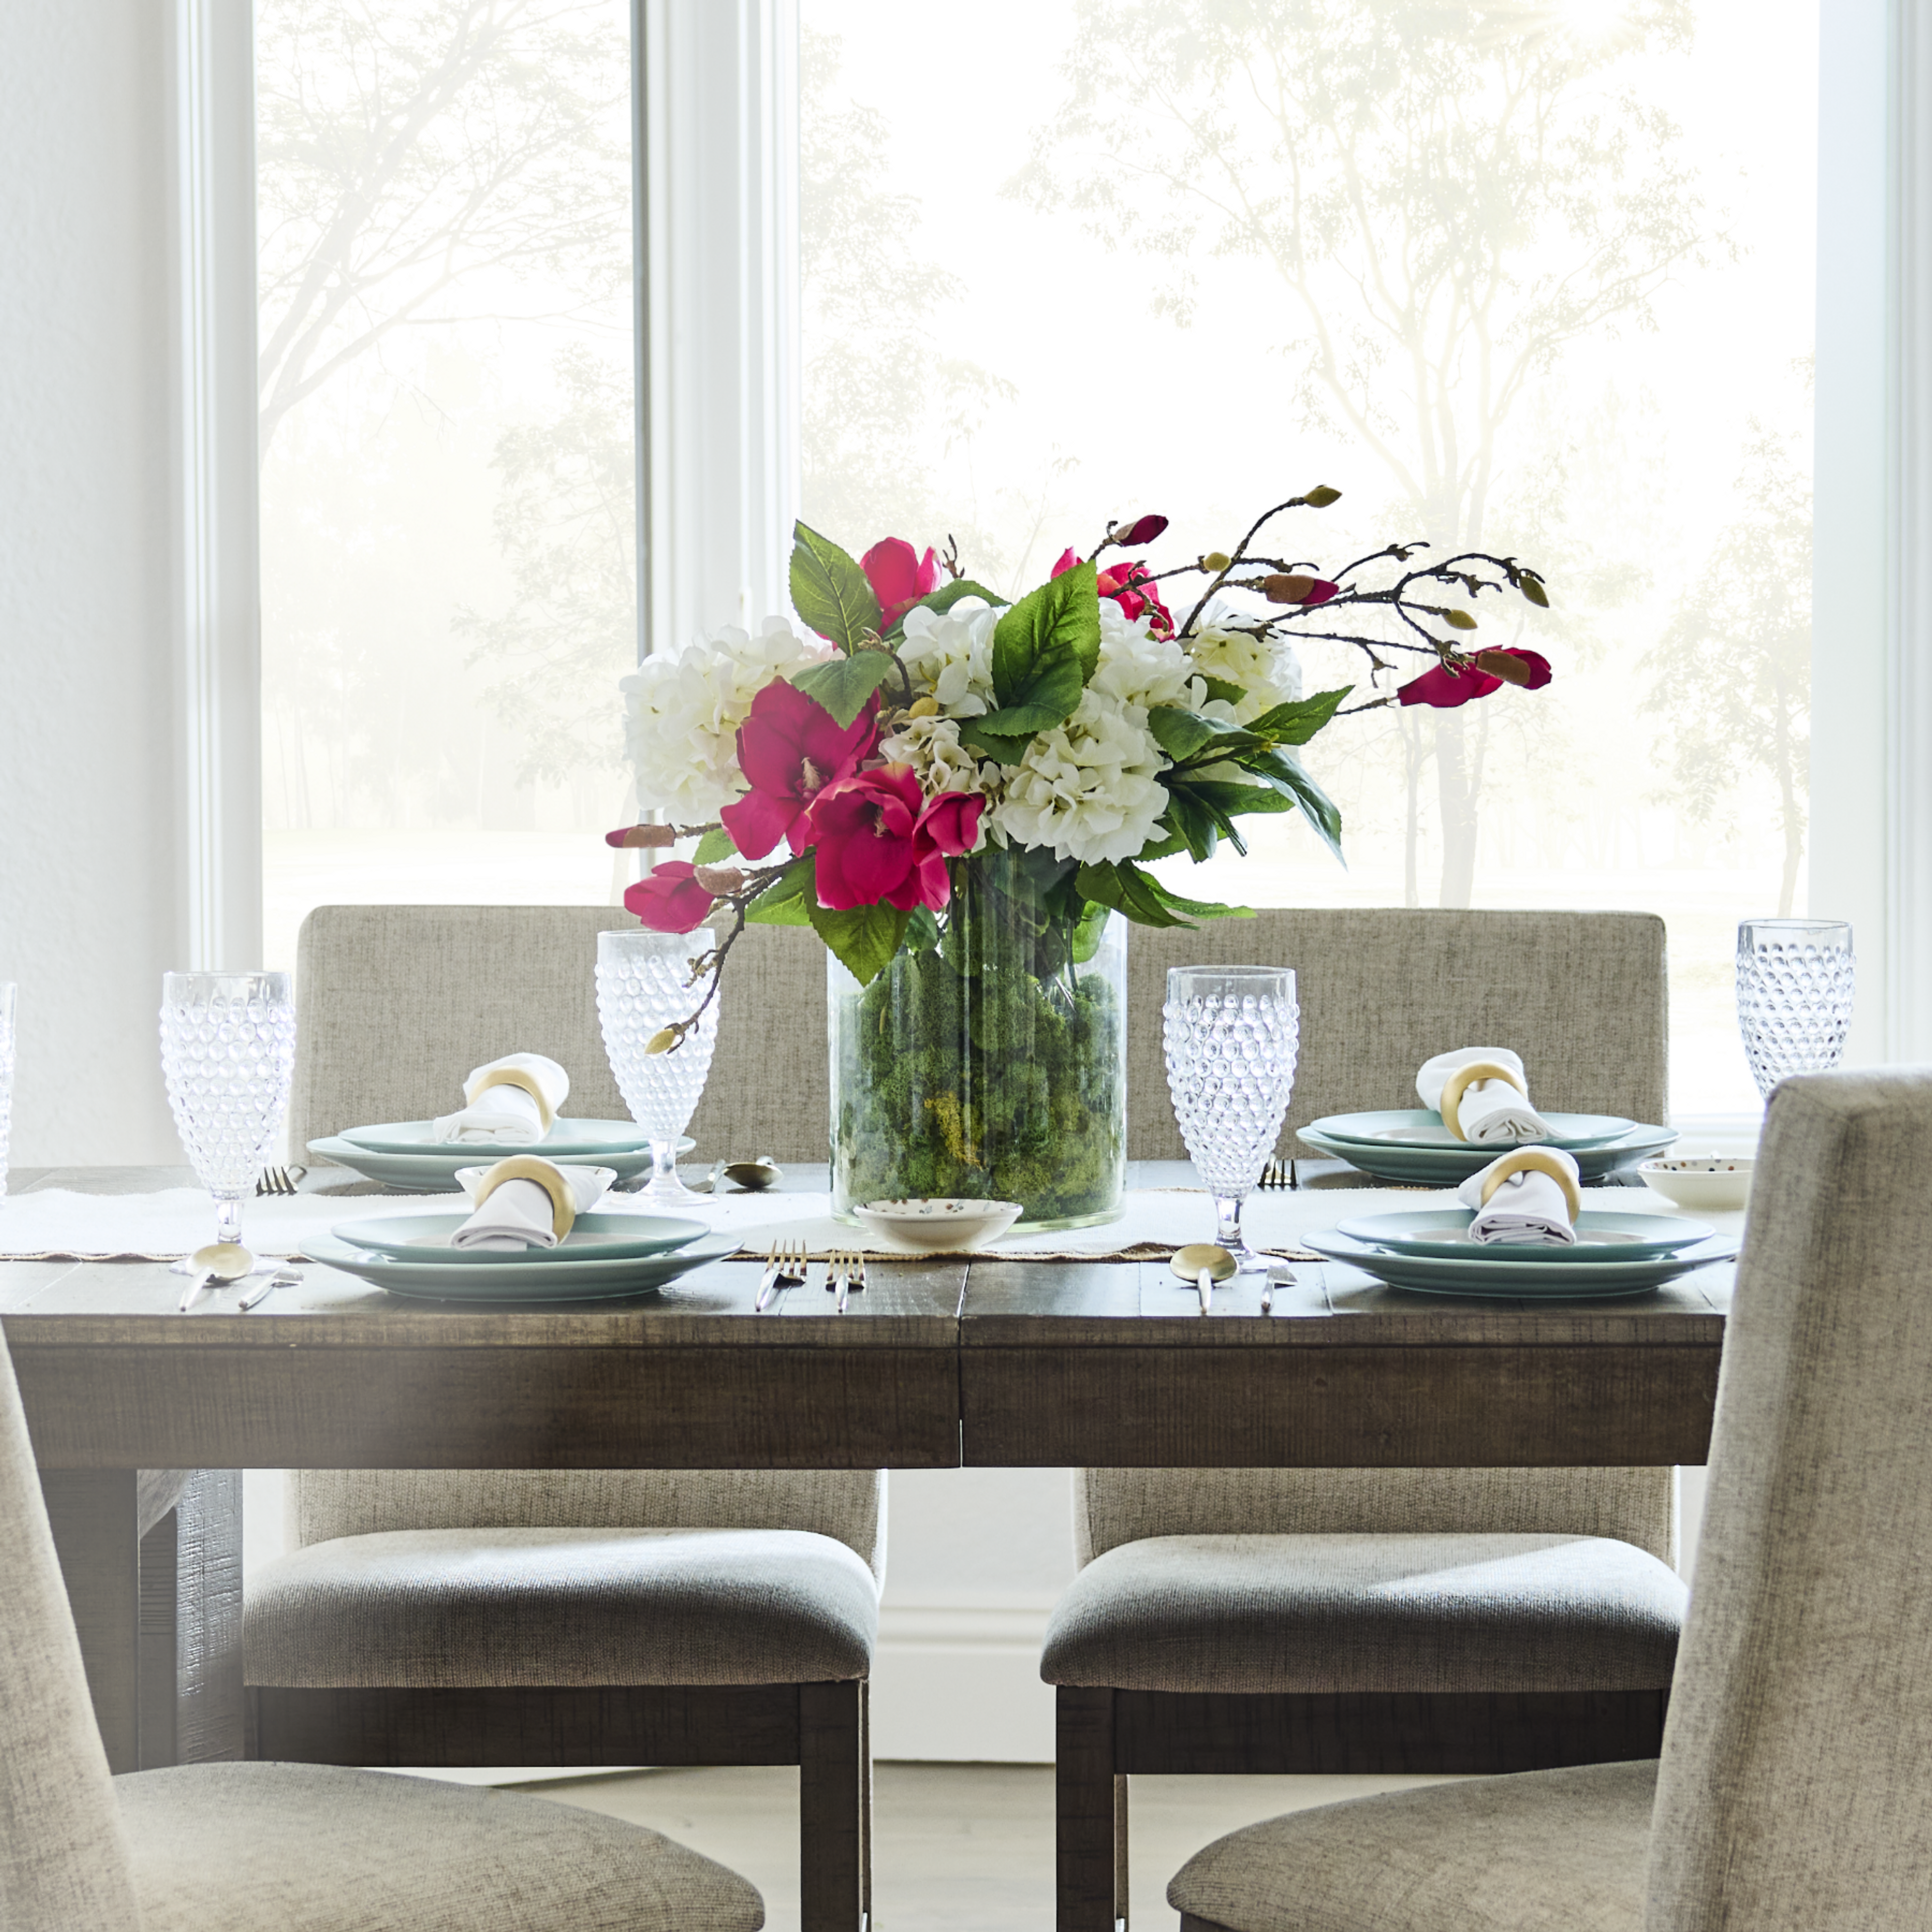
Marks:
<point>1008,1362</point>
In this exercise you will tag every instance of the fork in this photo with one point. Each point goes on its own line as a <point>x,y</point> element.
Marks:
<point>278,1180</point>
<point>1279,1173</point>
<point>785,1265</point>
<point>840,1266</point>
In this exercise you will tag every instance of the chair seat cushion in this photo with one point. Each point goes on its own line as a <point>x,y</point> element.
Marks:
<point>306,1848</point>
<point>1403,1613</point>
<point>476,1608</point>
<point>1545,1851</point>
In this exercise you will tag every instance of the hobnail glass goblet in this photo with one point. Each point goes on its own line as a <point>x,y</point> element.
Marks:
<point>1795,980</point>
<point>228,1054</point>
<point>1232,1034</point>
<point>643,985</point>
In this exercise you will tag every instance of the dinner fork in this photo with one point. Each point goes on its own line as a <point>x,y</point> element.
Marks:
<point>784,1265</point>
<point>1279,1173</point>
<point>841,1265</point>
<point>278,1180</point>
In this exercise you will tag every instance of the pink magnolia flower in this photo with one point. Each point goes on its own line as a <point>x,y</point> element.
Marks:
<point>879,842</point>
<point>899,577</point>
<point>790,748</point>
<point>1446,689</point>
<point>1129,585</point>
<point>668,898</point>
<point>1141,530</point>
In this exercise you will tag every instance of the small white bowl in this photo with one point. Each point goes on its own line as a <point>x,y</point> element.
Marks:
<point>1710,1183</point>
<point>937,1225</point>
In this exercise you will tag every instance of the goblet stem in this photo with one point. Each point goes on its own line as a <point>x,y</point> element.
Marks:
<point>228,1219</point>
<point>664,1186</point>
<point>1228,1232</point>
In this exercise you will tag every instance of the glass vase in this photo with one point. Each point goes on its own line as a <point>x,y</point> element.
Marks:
<point>988,1061</point>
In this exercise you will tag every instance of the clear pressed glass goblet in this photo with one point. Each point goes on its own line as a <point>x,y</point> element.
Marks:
<point>1795,980</point>
<point>643,985</point>
<point>1232,1035</point>
<point>228,1054</point>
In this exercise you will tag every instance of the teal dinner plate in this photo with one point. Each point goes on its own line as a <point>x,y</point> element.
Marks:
<point>1603,1237</point>
<point>516,1277</point>
<point>1447,1166</point>
<point>1550,1276</point>
<point>566,1136</point>
<point>425,1238</point>
<point>434,1171</point>
<point>1416,1127</point>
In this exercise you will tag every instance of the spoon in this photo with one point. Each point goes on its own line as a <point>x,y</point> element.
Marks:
<point>754,1176</point>
<point>214,1266</point>
<point>1203,1263</point>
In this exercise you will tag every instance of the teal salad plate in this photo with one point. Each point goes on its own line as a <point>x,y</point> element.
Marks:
<point>426,1238</point>
<point>1602,1236</point>
<point>523,1278</point>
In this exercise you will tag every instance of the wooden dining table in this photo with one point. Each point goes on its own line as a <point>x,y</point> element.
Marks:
<point>142,1417</point>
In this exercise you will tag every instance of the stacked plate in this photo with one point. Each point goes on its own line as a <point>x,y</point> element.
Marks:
<point>1431,1251</point>
<point>603,1254</point>
<point>406,1154</point>
<point>1410,1144</point>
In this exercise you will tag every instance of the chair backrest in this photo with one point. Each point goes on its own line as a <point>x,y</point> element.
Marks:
<point>1117,1506</point>
<point>847,1505</point>
<point>396,1004</point>
<point>1581,996</point>
<point>63,1860</point>
<point>1792,1794</point>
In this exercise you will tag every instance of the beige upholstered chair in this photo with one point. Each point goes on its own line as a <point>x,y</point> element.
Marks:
<point>1374,1620</point>
<point>280,1847</point>
<point>1791,1794</point>
<point>512,1617</point>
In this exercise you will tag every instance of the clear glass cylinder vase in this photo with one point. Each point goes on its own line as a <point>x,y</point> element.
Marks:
<point>988,1061</point>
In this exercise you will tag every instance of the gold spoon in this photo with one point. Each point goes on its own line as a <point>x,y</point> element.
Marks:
<point>1203,1263</point>
<point>754,1176</point>
<point>215,1266</point>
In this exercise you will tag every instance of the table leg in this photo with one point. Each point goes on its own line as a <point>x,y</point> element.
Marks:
<point>152,1563</point>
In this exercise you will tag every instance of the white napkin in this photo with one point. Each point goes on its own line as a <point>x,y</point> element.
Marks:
<point>518,1214</point>
<point>1528,1209</point>
<point>1491,1112</point>
<point>506,1116</point>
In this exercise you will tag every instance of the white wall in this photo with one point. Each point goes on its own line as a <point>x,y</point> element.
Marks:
<point>91,888</point>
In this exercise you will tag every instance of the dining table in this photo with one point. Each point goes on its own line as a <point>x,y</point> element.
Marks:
<point>142,1417</point>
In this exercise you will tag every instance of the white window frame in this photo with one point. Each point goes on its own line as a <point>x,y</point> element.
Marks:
<point>715,119</point>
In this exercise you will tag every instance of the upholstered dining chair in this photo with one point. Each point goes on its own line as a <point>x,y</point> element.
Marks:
<point>1791,1792</point>
<point>280,1847</point>
<point>1372,1620</point>
<point>569,1617</point>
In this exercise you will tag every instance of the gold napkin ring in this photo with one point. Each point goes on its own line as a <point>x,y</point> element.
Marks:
<point>514,1076</point>
<point>551,1180</point>
<point>1468,1076</point>
<point>1533,1160</point>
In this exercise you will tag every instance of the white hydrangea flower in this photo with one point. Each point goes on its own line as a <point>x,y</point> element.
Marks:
<point>1088,788</point>
<point>1139,668</point>
<point>1269,672</point>
<point>932,747</point>
<point>951,656</point>
<point>682,710</point>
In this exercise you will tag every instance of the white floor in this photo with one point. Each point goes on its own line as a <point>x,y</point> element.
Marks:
<point>960,1847</point>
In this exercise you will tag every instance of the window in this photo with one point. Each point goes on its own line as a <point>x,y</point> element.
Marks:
<point>448,455</point>
<point>1534,278</point>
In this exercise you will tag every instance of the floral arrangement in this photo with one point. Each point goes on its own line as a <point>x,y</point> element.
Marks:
<point>921,733</point>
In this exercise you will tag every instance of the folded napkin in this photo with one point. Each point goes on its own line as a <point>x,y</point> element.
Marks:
<point>1527,1198</point>
<point>528,1202</point>
<point>508,1103</point>
<point>1493,1110</point>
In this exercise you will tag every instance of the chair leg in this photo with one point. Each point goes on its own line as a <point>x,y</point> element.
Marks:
<point>832,1791</point>
<point>866,1801</point>
<point>1088,1807</point>
<point>1121,1915</point>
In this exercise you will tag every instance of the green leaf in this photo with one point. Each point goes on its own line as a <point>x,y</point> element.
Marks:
<point>1003,735</point>
<point>1045,649</point>
<point>1284,771</point>
<point>843,685</point>
<point>1186,735</point>
<point>1145,900</point>
<point>1198,829</point>
<point>788,899</point>
<point>943,600</point>
<point>864,939</point>
<point>1219,687</point>
<point>714,847</point>
<point>1088,932</point>
<point>1295,724</point>
<point>922,933</point>
<point>830,591</point>
<point>1200,908</point>
<point>1233,799</point>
